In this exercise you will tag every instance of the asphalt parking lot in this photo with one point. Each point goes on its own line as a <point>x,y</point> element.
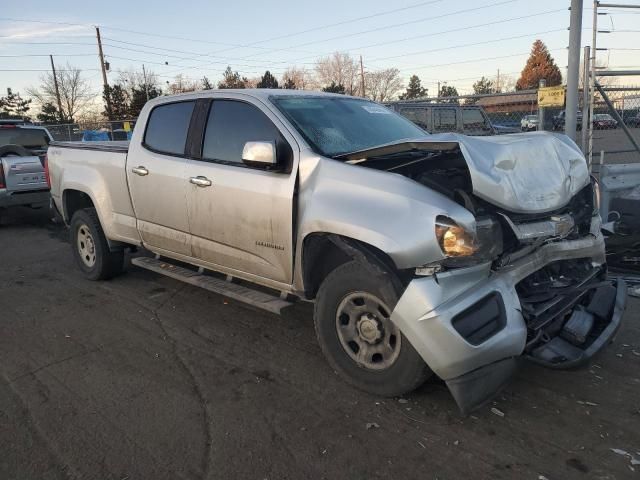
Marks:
<point>143,377</point>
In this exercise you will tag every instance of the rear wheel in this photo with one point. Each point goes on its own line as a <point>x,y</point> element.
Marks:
<point>353,323</point>
<point>90,247</point>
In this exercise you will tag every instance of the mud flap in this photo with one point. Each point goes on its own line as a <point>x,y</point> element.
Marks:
<point>474,389</point>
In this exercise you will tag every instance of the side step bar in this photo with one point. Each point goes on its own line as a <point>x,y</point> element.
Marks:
<point>256,298</point>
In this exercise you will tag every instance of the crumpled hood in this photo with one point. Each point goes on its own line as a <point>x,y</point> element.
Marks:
<point>523,172</point>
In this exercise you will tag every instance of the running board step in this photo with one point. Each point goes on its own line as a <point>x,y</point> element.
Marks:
<point>256,298</point>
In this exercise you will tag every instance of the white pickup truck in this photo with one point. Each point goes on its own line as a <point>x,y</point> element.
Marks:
<point>423,253</point>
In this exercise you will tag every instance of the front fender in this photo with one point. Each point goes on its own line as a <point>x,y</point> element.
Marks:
<point>388,211</point>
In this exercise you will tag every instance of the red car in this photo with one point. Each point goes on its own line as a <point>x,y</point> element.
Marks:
<point>602,121</point>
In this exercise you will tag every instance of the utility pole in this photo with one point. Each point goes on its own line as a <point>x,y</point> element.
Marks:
<point>362,77</point>
<point>541,84</point>
<point>592,83</point>
<point>55,82</point>
<point>573,70</point>
<point>105,82</point>
<point>438,88</point>
<point>585,99</point>
<point>498,82</point>
<point>146,86</point>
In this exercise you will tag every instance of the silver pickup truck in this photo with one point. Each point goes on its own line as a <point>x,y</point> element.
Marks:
<point>23,179</point>
<point>424,254</point>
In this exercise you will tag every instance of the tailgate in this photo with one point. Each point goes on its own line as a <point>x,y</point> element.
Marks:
<point>24,174</point>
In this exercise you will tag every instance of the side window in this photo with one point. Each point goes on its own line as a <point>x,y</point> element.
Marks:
<point>472,119</point>
<point>231,124</point>
<point>444,120</point>
<point>168,126</point>
<point>417,115</point>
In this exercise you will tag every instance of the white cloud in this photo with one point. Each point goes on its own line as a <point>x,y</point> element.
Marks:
<point>42,31</point>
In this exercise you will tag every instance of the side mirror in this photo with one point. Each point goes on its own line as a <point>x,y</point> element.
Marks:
<point>260,154</point>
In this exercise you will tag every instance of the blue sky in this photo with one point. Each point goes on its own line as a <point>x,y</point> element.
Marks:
<point>452,41</point>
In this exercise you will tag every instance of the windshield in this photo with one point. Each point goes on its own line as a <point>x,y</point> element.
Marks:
<point>334,125</point>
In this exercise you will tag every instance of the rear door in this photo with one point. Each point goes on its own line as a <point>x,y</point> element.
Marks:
<point>241,219</point>
<point>156,172</point>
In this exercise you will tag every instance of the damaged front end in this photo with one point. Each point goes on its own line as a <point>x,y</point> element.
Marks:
<point>524,284</point>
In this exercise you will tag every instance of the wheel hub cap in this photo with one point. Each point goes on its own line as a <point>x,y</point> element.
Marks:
<point>86,246</point>
<point>369,329</point>
<point>366,332</point>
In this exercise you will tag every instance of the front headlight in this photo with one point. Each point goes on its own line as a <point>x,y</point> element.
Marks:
<point>454,240</point>
<point>464,248</point>
<point>595,187</point>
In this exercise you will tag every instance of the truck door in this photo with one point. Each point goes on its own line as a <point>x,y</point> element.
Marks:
<point>241,218</point>
<point>156,176</point>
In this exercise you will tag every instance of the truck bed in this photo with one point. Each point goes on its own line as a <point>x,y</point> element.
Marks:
<point>121,146</point>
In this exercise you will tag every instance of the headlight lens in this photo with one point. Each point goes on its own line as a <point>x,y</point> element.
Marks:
<point>464,248</point>
<point>454,240</point>
<point>595,186</point>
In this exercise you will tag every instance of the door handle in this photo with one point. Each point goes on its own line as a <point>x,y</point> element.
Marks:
<point>200,181</point>
<point>142,171</point>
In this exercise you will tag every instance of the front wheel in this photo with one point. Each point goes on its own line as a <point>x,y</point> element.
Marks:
<point>353,324</point>
<point>90,247</point>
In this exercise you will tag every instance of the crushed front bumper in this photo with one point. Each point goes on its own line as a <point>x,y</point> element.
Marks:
<point>468,325</point>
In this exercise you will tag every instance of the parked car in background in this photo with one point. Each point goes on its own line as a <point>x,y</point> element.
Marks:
<point>423,254</point>
<point>529,123</point>
<point>22,170</point>
<point>440,118</point>
<point>604,121</point>
<point>633,121</point>
<point>559,120</point>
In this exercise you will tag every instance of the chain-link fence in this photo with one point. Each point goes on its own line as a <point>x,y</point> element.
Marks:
<point>503,113</point>
<point>92,131</point>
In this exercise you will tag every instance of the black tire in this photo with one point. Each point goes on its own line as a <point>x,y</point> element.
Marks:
<point>97,262</point>
<point>407,372</point>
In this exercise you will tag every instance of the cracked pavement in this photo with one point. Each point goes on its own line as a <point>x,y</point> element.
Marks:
<point>143,377</point>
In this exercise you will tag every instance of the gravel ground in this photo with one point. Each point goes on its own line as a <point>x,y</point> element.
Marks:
<point>143,377</point>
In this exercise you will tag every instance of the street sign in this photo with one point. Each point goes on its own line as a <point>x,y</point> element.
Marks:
<point>551,96</point>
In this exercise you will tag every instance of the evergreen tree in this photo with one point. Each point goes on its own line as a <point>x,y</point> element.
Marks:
<point>334,88</point>
<point>484,86</point>
<point>289,84</point>
<point>414,89</point>
<point>267,81</point>
<point>206,84</point>
<point>139,98</point>
<point>13,105</point>
<point>539,65</point>
<point>118,106</point>
<point>231,79</point>
<point>49,114</point>
<point>448,91</point>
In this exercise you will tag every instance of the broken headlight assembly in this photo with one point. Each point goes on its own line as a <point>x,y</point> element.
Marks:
<point>464,248</point>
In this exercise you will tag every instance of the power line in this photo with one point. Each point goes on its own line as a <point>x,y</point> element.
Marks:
<point>387,27</point>
<point>442,32</point>
<point>469,44</point>
<point>46,55</point>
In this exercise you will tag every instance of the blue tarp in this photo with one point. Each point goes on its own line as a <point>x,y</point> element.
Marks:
<point>95,136</point>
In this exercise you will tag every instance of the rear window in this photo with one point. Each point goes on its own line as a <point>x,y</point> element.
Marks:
<point>418,115</point>
<point>444,120</point>
<point>30,138</point>
<point>472,119</point>
<point>168,126</point>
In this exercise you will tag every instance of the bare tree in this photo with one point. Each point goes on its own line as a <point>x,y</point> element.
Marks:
<point>383,85</point>
<point>252,82</point>
<point>75,91</point>
<point>340,68</point>
<point>182,84</point>
<point>137,79</point>
<point>300,77</point>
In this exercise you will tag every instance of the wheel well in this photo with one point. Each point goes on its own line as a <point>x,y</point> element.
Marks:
<point>322,253</point>
<point>74,200</point>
